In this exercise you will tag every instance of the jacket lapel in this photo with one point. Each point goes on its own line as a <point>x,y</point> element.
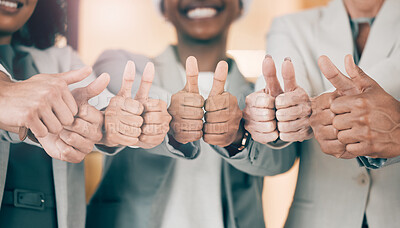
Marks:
<point>48,65</point>
<point>334,37</point>
<point>383,35</point>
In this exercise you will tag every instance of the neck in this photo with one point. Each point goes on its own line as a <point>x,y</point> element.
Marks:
<point>208,53</point>
<point>6,39</point>
<point>363,8</point>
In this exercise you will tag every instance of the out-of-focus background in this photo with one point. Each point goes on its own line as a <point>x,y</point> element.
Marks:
<point>134,25</point>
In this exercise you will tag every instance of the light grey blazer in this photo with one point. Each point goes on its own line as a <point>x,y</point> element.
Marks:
<point>136,182</point>
<point>334,192</point>
<point>69,179</point>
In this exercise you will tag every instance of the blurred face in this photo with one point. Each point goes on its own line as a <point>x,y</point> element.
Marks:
<point>202,19</point>
<point>14,14</point>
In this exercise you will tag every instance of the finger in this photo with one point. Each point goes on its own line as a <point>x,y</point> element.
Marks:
<point>155,129</point>
<point>323,117</point>
<point>343,104</point>
<point>83,95</point>
<point>129,119</point>
<point>293,98</point>
<point>69,100</point>
<point>260,100</point>
<point>216,128</point>
<point>357,75</point>
<point>154,105</point>
<point>323,101</point>
<point>289,78</point>
<point>293,126</point>
<point>68,153</point>
<point>86,129</point>
<point>349,136</point>
<point>221,73</point>
<point>155,118</point>
<point>216,139</point>
<point>75,76</point>
<point>338,80</point>
<point>192,74</point>
<point>50,120</point>
<point>182,125</point>
<point>120,139</point>
<point>130,131</point>
<point>190,113</point>
<point>300,136</point>
<point>90,114</point>
<point>293,113</point>
<point>264,138</point>
<point>344,121</point>
<point>261,127</point>
<point>77,141</point>
<point>153,140</point>
<point>326,133</point>
<point>38,128</point>
<point>269,71</point>
<point>127,80</point>
<point>258,114</point>
<point>218,116</point>
<point>62,112</point>
<point>188,136</point>
<point>146,82</point>
<point>187,99</point>
<point>360,149</point>
<point>134,107</point>
<point>333,147</point>
<point>219,102</point>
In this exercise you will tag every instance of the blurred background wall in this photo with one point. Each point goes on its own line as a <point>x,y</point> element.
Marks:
<point>97,25</point>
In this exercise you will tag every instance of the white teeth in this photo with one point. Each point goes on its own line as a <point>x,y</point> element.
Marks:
<point>201,13</point>
<point>8,4</point>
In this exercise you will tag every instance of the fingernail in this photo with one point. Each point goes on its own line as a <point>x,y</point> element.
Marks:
<point>268,56</point>
<point>288,59</point>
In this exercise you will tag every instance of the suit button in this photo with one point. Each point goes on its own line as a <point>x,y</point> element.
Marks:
<point>362,179</point>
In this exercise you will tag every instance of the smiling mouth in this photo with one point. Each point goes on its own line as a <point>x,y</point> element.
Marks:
<point>202,13</point>
<point>13,5</point>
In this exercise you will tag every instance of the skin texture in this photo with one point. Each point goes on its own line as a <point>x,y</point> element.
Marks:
<point>273,113</point>
<point>363,8</point>
<point>12,22</point>
<point>206,40</point>
<point>140,121</point>
<point>77,140</point>
<point>366,119</point>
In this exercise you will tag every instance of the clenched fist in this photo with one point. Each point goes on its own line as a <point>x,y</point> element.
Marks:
<point>186,107</point>
<point>272,113</point>
<point>223,115</point>
<point>368,123</point>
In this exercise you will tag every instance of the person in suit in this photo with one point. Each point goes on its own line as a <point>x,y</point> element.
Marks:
<point>196,177</point>
<point>38,188</point>
<point>332,192</point>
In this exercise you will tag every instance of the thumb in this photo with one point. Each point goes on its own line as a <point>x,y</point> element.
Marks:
<point>220,75</point>
<point>289,78</point>
<point>192,75</point>
<point>357,75</point>
<point>342,83</point>
<point>145,83</point>
<point>272,86</point>
<point>75,76</point>
<point>127,80</point>
<point>93,89</point>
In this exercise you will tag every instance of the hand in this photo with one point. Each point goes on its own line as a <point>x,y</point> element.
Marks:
<point>322,116</point>
<point>76,141</point>
<point>156,118</point>
<point>293,108</point>
<point>42,103</point>
<point>368,122</point>
<point>223,115</point>
<point>186,107</point>
<point>123,118</point>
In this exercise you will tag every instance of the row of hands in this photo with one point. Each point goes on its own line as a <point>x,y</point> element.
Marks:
<point>358,119</point>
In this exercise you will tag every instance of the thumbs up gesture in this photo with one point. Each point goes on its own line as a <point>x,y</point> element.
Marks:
<point>223,115</point>
<point>136,122</point>
<point>74,142</point>
<point>272,113</point>
<point>365,117</point>
<point>186,107</point>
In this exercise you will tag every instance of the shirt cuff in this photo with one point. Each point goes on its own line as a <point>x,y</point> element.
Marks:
<point>189,150</point>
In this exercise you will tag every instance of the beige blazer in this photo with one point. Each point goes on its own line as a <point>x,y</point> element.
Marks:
<point>334,192</point>
<point>69,179</point>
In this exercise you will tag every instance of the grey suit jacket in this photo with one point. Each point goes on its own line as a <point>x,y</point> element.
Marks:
<point>334,192</point>
<point>69,179</point>
<point>137,182</point>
